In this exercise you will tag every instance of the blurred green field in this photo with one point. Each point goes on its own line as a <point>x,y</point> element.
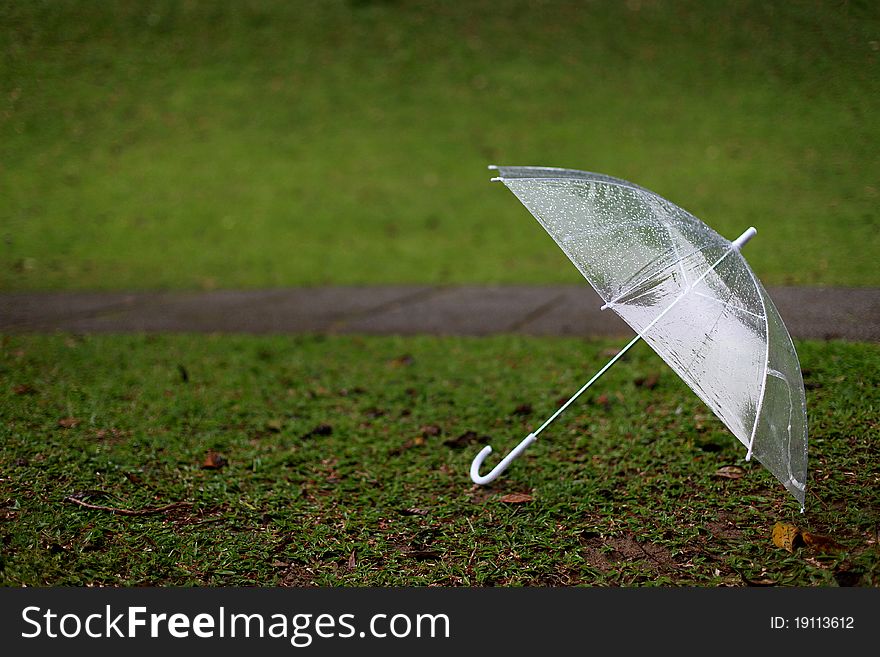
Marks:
<point>211,144</point>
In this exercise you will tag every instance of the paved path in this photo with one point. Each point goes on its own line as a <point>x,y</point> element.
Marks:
<point>823,313</point>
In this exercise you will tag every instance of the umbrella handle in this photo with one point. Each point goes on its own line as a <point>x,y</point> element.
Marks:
<point>501,467</point>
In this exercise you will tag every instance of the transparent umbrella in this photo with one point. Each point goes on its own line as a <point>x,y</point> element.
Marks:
<point>689,294</point>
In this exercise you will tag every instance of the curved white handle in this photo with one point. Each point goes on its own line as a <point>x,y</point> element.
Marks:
<point>501,467</point>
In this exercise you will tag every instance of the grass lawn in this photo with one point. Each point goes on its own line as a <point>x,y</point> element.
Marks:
<point>343,461</point>
<point>165,144</point>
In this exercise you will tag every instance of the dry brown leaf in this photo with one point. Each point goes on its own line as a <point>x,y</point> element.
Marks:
<point>466,439</point>
<point>424,555</point>
<point>516,498</point>
<point>68,422</point>
<point>24,389</point>
<point>109,434</point>
<point>787,536</point>
<point>213,461</point>
<point>819,542</point>
<point>649,382</point>
<point>418,441</point>
<point>414,512</point>
<point>730,472</point>
<point>523,409</point>
<point>275,425</point>
<point>320,430</point>
<point>352,561</point>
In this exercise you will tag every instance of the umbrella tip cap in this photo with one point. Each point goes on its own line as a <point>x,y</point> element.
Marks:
<point>740,241</point>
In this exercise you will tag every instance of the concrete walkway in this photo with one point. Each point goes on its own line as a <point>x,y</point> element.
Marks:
<point>821,313</point>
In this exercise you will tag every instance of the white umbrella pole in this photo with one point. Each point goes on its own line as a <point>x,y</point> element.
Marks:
<point>532,437</point>
<point>477,478</point>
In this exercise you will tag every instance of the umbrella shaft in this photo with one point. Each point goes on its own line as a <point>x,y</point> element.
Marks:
<point>595,378</point>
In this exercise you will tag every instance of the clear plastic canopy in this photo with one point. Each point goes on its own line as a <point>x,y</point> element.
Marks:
<point>690,295</point>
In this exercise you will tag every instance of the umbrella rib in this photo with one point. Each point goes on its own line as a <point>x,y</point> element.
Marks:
<point>730,305</point>
<point>659,271</point>
<point>591,179</point>
<point>781,376</point>
<point>651,201</point>
<point>766,365</point>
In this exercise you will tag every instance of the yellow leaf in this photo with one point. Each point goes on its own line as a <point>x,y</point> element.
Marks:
<point>786,536</point>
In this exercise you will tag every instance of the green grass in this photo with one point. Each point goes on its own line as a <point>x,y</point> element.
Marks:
<point>211,144</point>
<point>624,487</point>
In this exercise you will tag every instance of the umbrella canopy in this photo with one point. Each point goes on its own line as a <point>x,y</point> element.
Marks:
<point>690,294</point>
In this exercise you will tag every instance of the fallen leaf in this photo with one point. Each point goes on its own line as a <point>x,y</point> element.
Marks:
<point>430,430</point>
<point>109,434</point>
<point>402,361</point>
<point>516,498</point>
<point>424,555</point>
<point>466,439</point>
<point>763,581</point>
<point>352,561</point>
<point>603,401</point>
<point>89,493</point>
<point>24,389</point>
<point>819,542</point>
<point>418,441</point>
<point>413,512</point>
<point>730,472</point>
<point>523,409</point>
<point>274,425</point>
<point>213,461</point>
<point>68,422</point>
<point>320,430</point>
<point>649,382</point>
<point>787,536</point>
<point>847,576</point>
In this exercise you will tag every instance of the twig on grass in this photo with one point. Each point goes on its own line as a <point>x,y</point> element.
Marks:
<point>128,512</point>
<point>649,555</point>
